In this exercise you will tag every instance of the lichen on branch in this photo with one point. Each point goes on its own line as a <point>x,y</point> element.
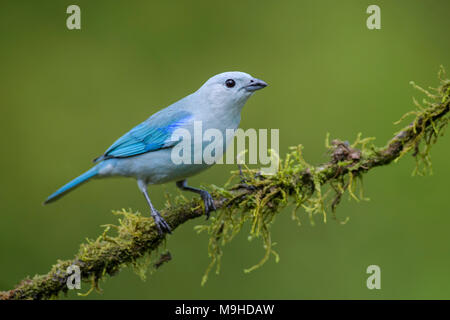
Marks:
<point>251,198</point>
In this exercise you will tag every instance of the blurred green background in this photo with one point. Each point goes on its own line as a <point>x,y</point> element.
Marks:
<point>65,96</point>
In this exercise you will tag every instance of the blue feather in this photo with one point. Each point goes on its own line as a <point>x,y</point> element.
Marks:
<point>151,135</point>
<point>73,184</point>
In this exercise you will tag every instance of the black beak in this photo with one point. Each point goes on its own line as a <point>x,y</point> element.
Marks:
<point>255,84</point>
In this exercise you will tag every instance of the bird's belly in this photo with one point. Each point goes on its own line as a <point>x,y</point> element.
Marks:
<point>153,167</point>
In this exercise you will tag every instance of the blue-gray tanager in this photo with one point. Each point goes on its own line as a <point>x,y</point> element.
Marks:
<point>145,152</point>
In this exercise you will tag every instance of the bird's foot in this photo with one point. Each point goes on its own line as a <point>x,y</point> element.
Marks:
<point>241,173</point>
<point>209,203</point>
<point>161,224</point>
<point>247,186</point>
<point>243,183</point>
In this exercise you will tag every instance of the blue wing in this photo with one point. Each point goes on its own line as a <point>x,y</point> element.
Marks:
<point>151,135</point>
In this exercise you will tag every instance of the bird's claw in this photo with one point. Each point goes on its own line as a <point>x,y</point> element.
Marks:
<point>243,183</point>
<point>209,203</point>
<point>241,174</point>
<point>161,224</point>
<point>247,186</point>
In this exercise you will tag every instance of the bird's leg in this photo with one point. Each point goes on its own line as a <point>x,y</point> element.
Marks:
<point>241,174</point>
<point>161,224</point>
<point>244,180</point>
<point>206,197</point>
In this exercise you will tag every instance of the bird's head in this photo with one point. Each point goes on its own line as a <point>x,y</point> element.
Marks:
<point>230,88</point>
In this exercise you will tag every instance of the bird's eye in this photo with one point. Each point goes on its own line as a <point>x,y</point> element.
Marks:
<point>230,83</point>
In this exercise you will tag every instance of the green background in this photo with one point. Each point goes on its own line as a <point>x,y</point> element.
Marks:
<point>65,96</point>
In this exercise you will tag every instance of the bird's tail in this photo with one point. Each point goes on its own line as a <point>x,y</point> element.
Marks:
<point>73,184</point>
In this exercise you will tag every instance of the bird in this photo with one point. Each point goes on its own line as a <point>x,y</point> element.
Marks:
<point>146,151</point>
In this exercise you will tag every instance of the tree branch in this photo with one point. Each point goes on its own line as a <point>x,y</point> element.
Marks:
<point>257,198</point>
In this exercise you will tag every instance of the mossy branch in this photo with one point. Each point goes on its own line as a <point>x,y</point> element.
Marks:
<point>256,199</point>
